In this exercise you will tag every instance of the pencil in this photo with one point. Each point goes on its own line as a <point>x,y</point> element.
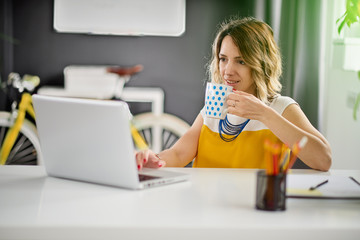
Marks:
<point>319,185</point>
<point>272,152</point>
<point>268,157</point>
<point>275,154</point>
<point>285,159</point>
<point>354,180</point>
<point>295,151</point>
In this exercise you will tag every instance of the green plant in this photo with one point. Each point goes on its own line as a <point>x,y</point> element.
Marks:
<point>351,15</point>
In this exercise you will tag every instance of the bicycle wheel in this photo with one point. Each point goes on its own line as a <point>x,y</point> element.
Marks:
<point>26,150</point>
<point>160,132</point>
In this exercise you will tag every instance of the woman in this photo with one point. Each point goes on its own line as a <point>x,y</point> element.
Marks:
<point>246,57</point>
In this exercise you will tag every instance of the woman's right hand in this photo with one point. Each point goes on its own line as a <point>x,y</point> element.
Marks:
<point>147,158</point>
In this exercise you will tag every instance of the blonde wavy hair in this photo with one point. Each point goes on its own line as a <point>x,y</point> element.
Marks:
<point>256,43</point>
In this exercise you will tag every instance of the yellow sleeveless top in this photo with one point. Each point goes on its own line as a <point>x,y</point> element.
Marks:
<point>246,151</point>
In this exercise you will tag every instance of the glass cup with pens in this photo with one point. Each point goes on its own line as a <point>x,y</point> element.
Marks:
<point>271,182</point>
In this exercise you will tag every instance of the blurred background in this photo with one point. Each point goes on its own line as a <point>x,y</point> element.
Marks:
<point>320,65</point>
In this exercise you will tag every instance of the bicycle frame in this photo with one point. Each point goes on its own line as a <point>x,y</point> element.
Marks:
<point>138,139</point>
<point>10,138</point>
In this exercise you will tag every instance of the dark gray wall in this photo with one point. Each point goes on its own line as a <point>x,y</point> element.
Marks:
<point>176,64</point>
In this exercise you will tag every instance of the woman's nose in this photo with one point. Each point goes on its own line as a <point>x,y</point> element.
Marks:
<point>229,68</point>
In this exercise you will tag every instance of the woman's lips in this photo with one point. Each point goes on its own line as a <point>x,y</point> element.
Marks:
<point>231,82</point>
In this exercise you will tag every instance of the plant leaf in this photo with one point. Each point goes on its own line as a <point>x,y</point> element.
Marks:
<point>341,26</point>
<point>352,13</point>
<point>340,18</point>
<point>359,74</point>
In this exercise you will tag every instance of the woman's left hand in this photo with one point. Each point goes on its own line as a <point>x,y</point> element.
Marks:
<point>245,105</point>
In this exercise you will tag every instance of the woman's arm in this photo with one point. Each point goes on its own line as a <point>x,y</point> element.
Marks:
<point>289,127</point>
<point>179,155</point>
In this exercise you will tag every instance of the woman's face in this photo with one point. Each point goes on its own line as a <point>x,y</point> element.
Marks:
<point>233,68</point>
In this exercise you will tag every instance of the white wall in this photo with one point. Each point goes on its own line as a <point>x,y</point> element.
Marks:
<point>335,115</point>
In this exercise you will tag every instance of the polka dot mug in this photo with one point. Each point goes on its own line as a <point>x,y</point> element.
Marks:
<point>215,100</point>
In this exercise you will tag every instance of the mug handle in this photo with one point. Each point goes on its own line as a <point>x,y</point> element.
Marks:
<point>223,113</point>
<point>228,93</point>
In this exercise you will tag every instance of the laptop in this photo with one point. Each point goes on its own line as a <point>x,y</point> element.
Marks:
<point>90,140</point>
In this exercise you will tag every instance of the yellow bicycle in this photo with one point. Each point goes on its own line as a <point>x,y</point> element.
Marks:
<point>18,135</point>
<point>19,143</point>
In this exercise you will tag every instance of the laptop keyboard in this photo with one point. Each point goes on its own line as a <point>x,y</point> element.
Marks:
<point>143,177</point>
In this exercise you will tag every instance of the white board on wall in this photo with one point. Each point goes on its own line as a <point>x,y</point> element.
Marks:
<point>120,17</point>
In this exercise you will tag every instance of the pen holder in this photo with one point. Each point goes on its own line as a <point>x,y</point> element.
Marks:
<point>270,191</point>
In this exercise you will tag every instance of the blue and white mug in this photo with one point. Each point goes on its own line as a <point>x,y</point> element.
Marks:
<point>215,100</point>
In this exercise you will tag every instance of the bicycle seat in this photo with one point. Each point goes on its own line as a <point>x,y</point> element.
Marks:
<point>125,71</point>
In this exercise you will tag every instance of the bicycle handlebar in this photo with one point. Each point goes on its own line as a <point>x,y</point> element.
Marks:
<point>30,82</point>
<point>27,82</point>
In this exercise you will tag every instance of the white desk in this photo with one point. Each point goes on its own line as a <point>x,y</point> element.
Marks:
<point>214,204</point>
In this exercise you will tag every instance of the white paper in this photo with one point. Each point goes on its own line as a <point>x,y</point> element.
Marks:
<point>337,186</point>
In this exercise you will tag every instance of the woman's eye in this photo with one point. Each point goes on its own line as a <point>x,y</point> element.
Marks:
<point>222,59</point>
<point>242,62</point>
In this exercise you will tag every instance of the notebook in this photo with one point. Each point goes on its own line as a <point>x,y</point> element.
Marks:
<point>90,140</point>
<point>321,186</point>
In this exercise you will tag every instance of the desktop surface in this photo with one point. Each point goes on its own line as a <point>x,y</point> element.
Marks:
<point>214,204</point>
